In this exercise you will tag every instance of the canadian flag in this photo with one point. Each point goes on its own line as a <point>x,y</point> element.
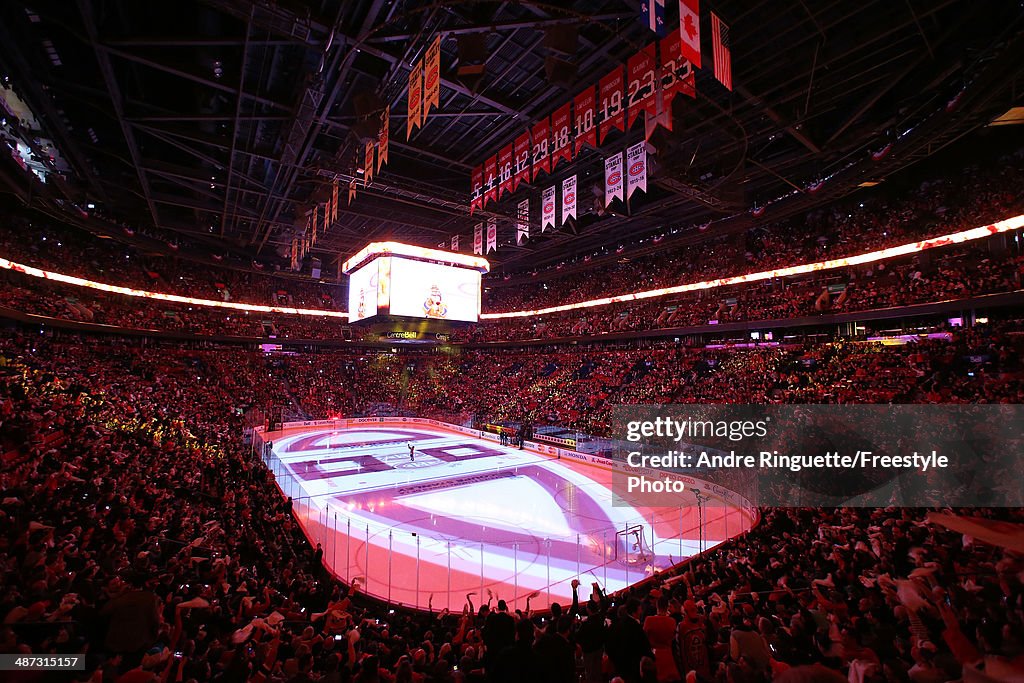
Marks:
<point>689,30</point>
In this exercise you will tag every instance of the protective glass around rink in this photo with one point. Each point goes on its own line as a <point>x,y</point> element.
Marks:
<point>821,455</point>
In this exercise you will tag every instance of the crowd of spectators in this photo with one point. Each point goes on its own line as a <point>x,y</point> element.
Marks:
<point>140,530</point>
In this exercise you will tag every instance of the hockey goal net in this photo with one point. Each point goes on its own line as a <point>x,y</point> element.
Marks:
<point>632,547</point>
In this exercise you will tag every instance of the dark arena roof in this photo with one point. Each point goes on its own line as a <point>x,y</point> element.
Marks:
<point>221,124</point>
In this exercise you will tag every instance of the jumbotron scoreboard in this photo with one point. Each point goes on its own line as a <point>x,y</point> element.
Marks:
<point>390,283</point>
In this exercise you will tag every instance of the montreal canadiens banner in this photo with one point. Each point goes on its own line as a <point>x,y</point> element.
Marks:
<point>521,171</point>
<point>613,111</point>
<point>491,180</point>
<point>561,134</point>
<point>477,189</point>
<point>382,139</point>
<point>523,221</point>
<point>505,170</point>
<point>368,163</point>
<point>636,168</point>
<point>541,155</point>
<point>415,98</point>
<point>455,242</point>
<point>492,235</point>
<point>432,78</point>
<point>547,203</point>
<point>613,178</point>
<point>586,129</point>
<point>568,198</point>
<point>478,239</point>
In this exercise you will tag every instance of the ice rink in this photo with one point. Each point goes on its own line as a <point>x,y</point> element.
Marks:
<point>467,515</point>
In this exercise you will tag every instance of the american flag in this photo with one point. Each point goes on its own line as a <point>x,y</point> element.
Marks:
<point>723,56</point>
<point>653,16</point>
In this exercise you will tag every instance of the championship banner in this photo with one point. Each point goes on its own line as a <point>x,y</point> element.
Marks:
<point>492,235</point>
<point>521,171</point>
<point>491,180</point>
<point>455,242</point>
<point>640,86</point>
<point>477,189</point>
<point>505,170</point>
<point>295,253</point>
<point>636,163</point>
<point>523,221</point>
<point>368,164</point>
<point>327,219</point>
<point>432,77</point>
<point>547,204</point>
<point>583,108</point>
<point>613,114</point>
<point>676,72</point>
<point>351,190</point>
<point>613,178</point>
<point>478,239</point>
<point>334,201</point>
<point>568,198</point>
<point>415,98</point>
<point>316,219</point>
<point>385,127</point>
<point>561,134</point>
<point>541,156</point>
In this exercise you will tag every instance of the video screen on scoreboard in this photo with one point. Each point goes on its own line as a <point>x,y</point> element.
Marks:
<point>362,292</point>
<point>431,290</point>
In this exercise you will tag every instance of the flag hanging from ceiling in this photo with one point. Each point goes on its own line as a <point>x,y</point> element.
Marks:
<point>505,170</point>
<point>492,235</point>
<point>521,170</point>
<point>689,30</point>
<point>327,219</point>
<point>351,190</point>
<point>641,71</point>
<point>613,113</point>
<point>583,110</point>
<point>476,200</point>
<point>568,198</point>
<point>561,134</point>
<point>523,221</point>
<point>652,12</point>
<point>334,200</point>
<point>385,131</point>
<point>491,180</point>
<point>455,242</point>
<point>541,155</point>
<point>723,51</point>
<point>432,77</point>
<point>295,253</point>
<point>316,219</point>
<point>415,98</point>
<point>636,168</point>
<point>368,163</point>
<point>478,239</point>
<point>613,178</point>
<point>547,205</point>
<point>676,71</point>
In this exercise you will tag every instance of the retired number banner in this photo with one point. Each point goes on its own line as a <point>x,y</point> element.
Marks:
<point>541,151</point>
<point>491,180</point>
<point>477,189</point>
<point>561,134</point>
<point>521,172</point>
<point>586,129</point>
<point>641,84</point>
<point>505,170</point>
<point>547,203</point>
<point>613,114</point>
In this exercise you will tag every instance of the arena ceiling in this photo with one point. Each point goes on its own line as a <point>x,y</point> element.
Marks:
<point>226,120</point>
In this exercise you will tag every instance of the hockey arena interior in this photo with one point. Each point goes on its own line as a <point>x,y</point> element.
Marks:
<point>619,341</point>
